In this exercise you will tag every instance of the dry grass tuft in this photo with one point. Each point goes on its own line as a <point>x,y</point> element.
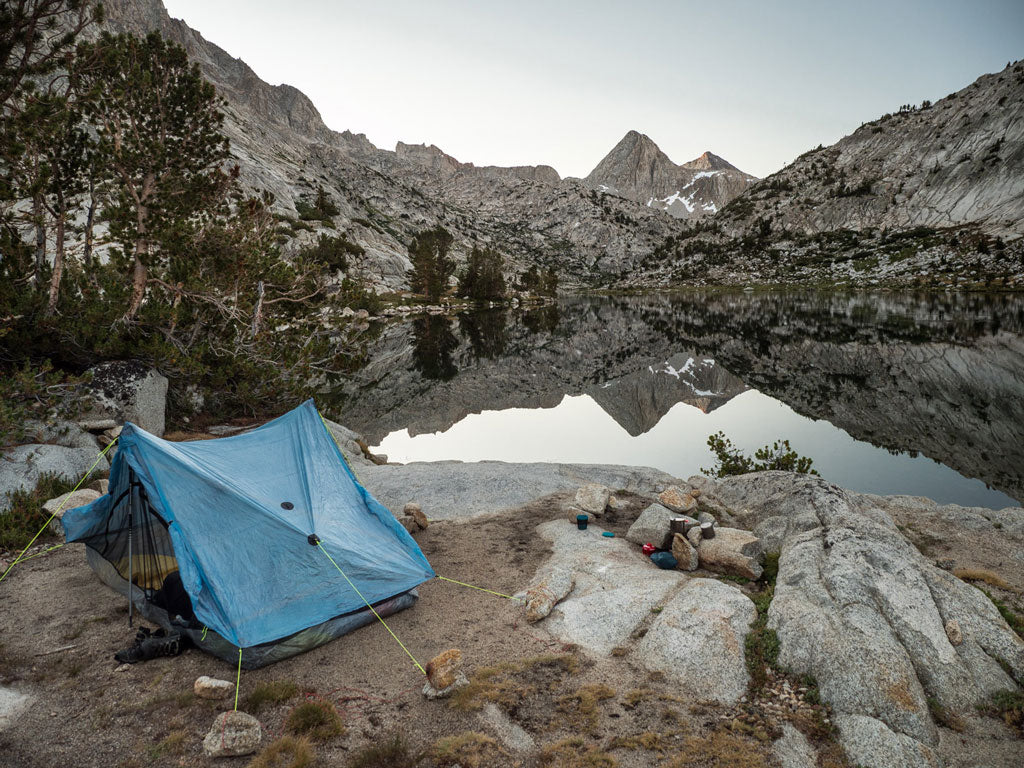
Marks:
<point>720,749</point>
<point>318,720</point>
<point>286,752</point>
<point>649,741</point>
<point>389,754</point>
<point>468,749</point>
<point>980,574</point>
<point>580,707</point>
<point>174,742</point>
<point>574,752</point>
<point>512,682</point>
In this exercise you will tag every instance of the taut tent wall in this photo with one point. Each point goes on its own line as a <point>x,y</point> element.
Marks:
<point>247,522</point>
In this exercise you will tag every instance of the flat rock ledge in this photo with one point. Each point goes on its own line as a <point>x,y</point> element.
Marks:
<point>455,489</point>
<point>857,606</point>
<point>615,587</point>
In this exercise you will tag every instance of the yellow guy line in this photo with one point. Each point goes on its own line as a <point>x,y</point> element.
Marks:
<point>18,559</point>
<point>408,652</point>
<point>238,677</point>
<point>488,591</point>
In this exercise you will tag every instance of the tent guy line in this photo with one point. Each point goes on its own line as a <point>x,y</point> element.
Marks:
<point>85,477</point>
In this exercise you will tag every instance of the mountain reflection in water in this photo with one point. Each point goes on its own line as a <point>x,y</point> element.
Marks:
<point>866,384</point>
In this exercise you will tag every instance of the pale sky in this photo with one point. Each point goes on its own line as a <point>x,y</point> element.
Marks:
<point>531,82</point>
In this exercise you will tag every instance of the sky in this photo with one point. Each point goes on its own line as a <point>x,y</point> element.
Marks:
<point>559,82</point>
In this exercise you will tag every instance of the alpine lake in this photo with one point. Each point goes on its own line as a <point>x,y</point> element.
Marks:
<point>919,394</point>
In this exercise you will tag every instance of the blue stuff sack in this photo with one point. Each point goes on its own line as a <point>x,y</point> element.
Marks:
<point>664,560</point>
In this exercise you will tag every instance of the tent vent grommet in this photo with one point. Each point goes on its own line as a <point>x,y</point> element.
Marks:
<point>313,539</point>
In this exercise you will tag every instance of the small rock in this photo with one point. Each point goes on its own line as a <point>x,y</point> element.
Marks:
<point>233,734</point>
<point>953,632</point>
<point>678,500</point>
<point>732,551</point>
<point>409,523</point>
<point>547,593</point>
<point>684,553</point>
<point>100,486</point>
<point>114,432</point>
<point>693,536</point>
<point>123,668</point>
<point>592,498</point>
<point>706,517</point>
<point>212,688</point>
<point>615,504</point>
<point>695,492</point>
<point>97,425</point>
<point>379,458</point>
<point>413,510</point>
<point>443,669</point>
<point>431,693</point>
<point>653,525</point>
<point>58,506</point>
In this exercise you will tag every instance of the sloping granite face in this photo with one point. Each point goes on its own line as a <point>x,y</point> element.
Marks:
<point>860,608</point>
<point>957,161</point>
<point>938,375</point>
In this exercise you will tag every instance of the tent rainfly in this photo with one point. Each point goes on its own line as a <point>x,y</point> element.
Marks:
<point>276,543</point>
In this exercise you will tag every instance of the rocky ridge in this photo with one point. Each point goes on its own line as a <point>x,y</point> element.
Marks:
<point>385,197</point>
<point>638,170</point>
<point>957,161</point>
<point>914,198</point>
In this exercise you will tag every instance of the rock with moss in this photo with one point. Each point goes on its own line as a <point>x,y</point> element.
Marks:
<point>125,390</point>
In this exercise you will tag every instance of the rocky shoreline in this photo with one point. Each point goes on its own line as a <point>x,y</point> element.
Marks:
<point>878,632</point>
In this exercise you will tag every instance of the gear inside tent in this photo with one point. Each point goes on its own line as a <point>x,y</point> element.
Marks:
<point>269,534</point>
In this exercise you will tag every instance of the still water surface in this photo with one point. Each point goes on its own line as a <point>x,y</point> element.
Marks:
<point>912,394</point>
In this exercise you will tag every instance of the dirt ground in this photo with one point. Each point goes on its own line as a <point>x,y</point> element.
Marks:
<point>59,629</point>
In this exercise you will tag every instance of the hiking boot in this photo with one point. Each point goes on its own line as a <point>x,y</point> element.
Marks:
<point>150,646</point>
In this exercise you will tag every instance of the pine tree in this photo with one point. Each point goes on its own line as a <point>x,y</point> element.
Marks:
<point>159,132</point>
<point>431,266</point>
<point>484,279</point>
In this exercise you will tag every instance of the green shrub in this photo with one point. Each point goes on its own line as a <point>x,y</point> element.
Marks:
<point>25,515</point>
<point>731,461</point>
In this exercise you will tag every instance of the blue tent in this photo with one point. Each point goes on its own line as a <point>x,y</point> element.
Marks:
<point>277,544</point>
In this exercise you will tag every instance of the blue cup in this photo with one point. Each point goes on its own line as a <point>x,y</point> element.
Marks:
<point>581,521</point>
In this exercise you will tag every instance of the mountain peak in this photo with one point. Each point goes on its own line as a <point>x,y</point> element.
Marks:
<point>638,170</point>
<point>710,162</point>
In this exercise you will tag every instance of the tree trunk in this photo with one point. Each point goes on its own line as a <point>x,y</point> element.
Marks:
<point>58,258</point>
<point>139,268</point>
<point>40,254</point>
<point>257,315</point>
<point>90,217</point>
